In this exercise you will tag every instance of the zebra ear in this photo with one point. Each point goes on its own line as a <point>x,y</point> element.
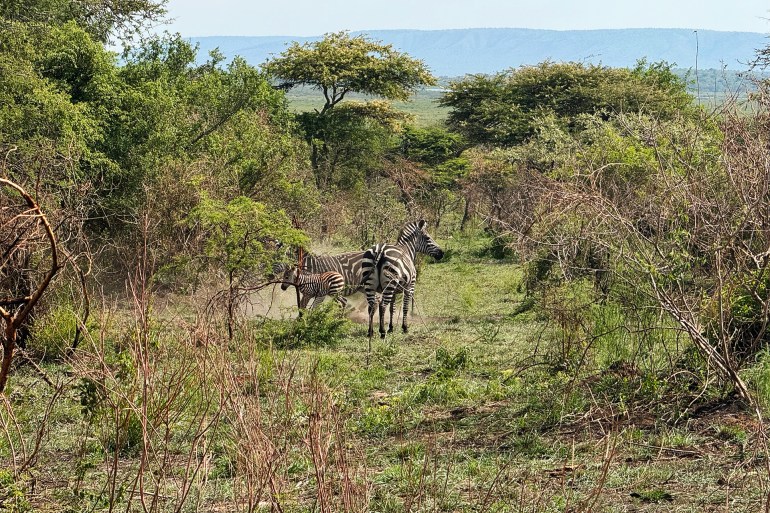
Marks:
<point>421,224</point>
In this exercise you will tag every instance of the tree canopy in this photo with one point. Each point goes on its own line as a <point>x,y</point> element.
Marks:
<point>340,64</point>
<point>347,139</point>
<point>503,109</point>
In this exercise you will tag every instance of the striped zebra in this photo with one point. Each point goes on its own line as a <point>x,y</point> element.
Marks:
<point>347,264</point>
<point>315,286</point>
<point>389,269</point>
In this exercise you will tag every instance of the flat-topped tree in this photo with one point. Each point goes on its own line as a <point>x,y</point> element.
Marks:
<point>337,65</point>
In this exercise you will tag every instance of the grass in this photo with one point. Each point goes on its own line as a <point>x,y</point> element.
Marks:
<point>469,411</point>
<point>423,105</point>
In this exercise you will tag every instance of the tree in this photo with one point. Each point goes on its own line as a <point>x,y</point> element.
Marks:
<point>674,210</point>
<point>438,151</point>
<point>30,261</point>
<point>504,109</point>
<point>101,18</point>
<point>240,240</point>
<point>339,65</point>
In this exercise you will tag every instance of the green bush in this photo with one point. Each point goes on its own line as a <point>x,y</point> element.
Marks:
<point>448,363</point>
<point>321,327</point>
<point>53,332</point>
<point>13,499</point>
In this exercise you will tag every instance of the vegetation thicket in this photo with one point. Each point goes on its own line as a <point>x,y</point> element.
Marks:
<point>594,338</point>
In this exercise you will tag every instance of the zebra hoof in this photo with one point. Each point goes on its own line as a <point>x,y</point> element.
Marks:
<point>406,330</point>
<point>382,335</point>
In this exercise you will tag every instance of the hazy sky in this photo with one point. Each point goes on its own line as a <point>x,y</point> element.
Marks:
<point>316,17</point>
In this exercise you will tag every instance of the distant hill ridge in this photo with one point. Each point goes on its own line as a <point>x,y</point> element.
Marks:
<point>462,51</point>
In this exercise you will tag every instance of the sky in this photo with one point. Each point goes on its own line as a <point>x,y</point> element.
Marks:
<point>313,17</point>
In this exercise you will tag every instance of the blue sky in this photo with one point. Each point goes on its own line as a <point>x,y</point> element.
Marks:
<point>310,18</point>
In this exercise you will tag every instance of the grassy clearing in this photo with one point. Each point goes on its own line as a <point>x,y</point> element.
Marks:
<point>472,410</point>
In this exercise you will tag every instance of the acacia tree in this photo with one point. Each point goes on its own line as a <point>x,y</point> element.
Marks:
<point>239,240</point>
<point>338,65</point>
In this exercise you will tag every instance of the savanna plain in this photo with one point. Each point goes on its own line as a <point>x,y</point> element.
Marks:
<point>477,408</point>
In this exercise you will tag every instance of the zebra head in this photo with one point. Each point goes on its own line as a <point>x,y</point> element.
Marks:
<point>415,235</point>
<point>290,276</point>
<point>276,270</point>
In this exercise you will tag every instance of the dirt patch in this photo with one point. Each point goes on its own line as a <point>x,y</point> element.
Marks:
<point>274,303</point>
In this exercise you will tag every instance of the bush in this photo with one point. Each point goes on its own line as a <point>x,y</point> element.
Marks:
<point>323,327</point>
<point>54,332</point>
<point>12,496</point>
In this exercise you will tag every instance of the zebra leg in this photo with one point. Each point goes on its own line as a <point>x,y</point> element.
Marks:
<point>392,310</point>
<point>317,301</point>
<point>382,316</point>
<point>342,301</point>
<point>371,301</point>
<point>408,295</point>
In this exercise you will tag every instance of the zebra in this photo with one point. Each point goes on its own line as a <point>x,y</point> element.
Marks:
<point>389,269</point>
<point>315,286</point>
<point>347,264</point>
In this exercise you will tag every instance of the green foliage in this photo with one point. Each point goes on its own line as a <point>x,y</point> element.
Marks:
<point>758,375</point>
<point>440,390</point>
<point>653,495</point>
<point>339,64</point>
<point>432,145</point>
<point>54,332</point>
<point>744,316</point>
<point>376,421</point>
<point>347,138</point>
<point>101,19</point>
<point>13,498</point>
<point>323,326</point>
<point>240,234</point>
<point>448,363</point>
<point>347,144</point>
<point>503,109</point>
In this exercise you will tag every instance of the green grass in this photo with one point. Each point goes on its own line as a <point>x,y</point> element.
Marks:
<point>469,411</point>
<point>423,105</point>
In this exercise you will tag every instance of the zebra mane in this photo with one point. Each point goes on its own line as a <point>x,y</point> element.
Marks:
<point>409,231</point>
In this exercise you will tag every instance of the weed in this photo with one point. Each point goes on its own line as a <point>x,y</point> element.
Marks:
<point>375,421</point>
<point>653,495</point>
<point>732,433</point>
<point>411,451</point>
<point>13,498</point>
<point>448,363</point>
<point>440,390</point>
<point>54,332</point>
<point>317,327</point>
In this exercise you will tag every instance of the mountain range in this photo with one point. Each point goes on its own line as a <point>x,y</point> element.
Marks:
<point>457,52</point>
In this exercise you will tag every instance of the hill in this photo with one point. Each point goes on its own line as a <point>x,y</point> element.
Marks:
<point>458,52</point>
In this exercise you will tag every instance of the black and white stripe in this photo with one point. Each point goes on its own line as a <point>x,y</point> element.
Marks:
<point>347,264</point>
<point>315,286</point>
<point>389,269</point>
<point>350,264</point>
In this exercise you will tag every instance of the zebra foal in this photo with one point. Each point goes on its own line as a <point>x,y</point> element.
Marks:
<point>315,286</point>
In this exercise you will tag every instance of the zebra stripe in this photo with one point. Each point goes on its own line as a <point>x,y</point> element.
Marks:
<point>350,264</point>
<point>347,264</point>
<point>315,286</point>
<point>389,269</point>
